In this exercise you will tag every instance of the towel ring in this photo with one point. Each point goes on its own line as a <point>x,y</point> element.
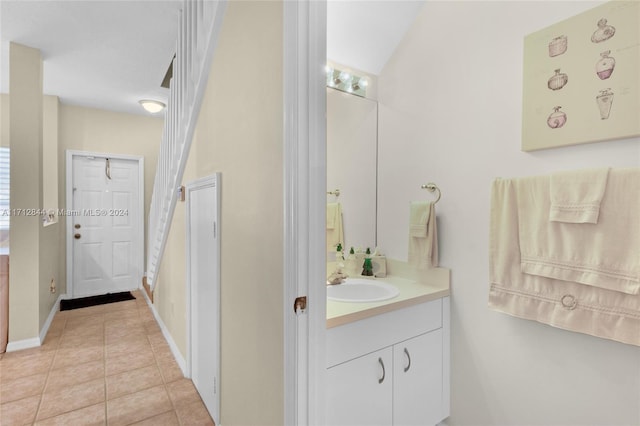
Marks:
<point>335,192</point>
<point>432,187</point>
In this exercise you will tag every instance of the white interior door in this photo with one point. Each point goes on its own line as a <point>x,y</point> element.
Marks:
<point>105,225</point>
<point>203,260</point>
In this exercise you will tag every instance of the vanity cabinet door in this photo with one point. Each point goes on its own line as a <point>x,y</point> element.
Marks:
<point>359,392</point>
<point>417,380</point>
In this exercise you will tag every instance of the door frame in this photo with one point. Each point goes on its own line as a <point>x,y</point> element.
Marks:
<point>69,206</point>
<point>205,182</point>
<point>305,182</point>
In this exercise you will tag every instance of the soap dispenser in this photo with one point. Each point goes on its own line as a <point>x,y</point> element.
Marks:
<point>339,253</point>
<point>367,266</point>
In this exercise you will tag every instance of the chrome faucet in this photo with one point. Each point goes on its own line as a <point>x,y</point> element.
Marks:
<point>337,277</point>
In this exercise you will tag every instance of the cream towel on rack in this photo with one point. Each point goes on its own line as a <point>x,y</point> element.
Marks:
<point>605,255</point>
<point>423,249</point>
<point>334,226</point>
<point>572,306</point>
<point>419,218</point>
<point>576,195</point>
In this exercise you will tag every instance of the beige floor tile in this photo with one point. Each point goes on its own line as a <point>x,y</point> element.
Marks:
<point>169,369</point>
<point>138,406</point>
<point>51,342</point>
<point>135,332</point>
<point>132,381</point>
<point>66,357</point>
<point>126,346</point>
<point>158,342</point>
<point>83,312</point>
<point>80,341</point>
<point>19,412</point>
<point>166,419</point>
<point>129,361</point>
<point>121,306</point>
<point>151,327</point>
<point>182,392</point>
<point>129,313</point>
<point>194,414</point>
<point>73,324</point>
<point>12,390</point>
<point>75,374</point>
<point>22,363</point>
<point>71,398</point>
<point>93,415</point>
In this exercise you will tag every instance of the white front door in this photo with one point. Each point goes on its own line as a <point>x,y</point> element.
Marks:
<point>203,263</point>
<point>105,225</point>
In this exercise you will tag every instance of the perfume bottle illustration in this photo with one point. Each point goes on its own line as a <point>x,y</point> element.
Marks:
<point>557,81</point>
<point>558,46</point>
<point>603,33</point>
<point>557,118</point>
<point>605,65</point>
<point>604,101</point>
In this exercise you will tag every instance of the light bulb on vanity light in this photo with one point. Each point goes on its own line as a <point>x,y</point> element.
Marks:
<point>360,84</point>
<point>346,77</point>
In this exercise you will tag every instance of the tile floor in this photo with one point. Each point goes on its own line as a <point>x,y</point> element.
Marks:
<point>102,365</point>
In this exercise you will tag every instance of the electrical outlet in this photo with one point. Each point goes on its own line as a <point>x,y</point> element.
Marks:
<point>52,286</point>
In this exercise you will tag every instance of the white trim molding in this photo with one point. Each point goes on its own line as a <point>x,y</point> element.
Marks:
<point>305,210</point>
<point>167,335</point>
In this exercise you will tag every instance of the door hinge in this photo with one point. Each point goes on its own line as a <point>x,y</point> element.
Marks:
<point>300,305</point>
<point>215,230</point>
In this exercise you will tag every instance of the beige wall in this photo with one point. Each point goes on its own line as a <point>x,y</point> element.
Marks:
<point>239,134</point>
<point>95,130</point>
<point>4,119</point>
<point>25,135</point>
<point>459,125</point>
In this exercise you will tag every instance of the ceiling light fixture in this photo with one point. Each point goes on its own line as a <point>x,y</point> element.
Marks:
<point>152,106</point>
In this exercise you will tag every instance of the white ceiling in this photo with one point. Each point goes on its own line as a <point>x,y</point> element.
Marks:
<point>110,54</point>
<point>363,34</point>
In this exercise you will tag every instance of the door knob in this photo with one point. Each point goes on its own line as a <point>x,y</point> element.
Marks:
<point>77,236</point>
<point>77,226</point>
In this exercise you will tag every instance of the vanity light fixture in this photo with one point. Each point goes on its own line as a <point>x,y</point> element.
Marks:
<point>347,81</point>
<point>152,106</point>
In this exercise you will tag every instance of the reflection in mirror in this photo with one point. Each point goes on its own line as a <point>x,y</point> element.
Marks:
<point>351,168</point>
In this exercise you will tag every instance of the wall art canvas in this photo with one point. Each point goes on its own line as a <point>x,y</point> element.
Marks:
<point>582,78</point>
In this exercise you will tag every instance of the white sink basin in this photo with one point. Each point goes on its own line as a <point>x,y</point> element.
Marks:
<point>361,290</point>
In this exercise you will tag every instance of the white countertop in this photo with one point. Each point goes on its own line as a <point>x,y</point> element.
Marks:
<point>412,292</point>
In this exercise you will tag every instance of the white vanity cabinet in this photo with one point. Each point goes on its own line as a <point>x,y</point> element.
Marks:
<point>390,369</point>
<point>360,390</point>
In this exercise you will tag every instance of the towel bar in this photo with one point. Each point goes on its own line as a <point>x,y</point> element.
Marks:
<point>335,192</point>
<point>432,187</point>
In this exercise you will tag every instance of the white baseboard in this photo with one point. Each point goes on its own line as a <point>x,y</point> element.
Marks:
<point>55,308</point>
<point>34,342</point>
<point>165,332</point>
<point>19,345</point>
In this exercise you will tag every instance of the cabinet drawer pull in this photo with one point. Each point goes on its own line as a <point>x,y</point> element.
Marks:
<point>409,358</point>
<point>380,380</point>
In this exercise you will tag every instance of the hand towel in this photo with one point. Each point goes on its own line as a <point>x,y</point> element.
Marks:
<point>605,255</point>
<point>423,250</point>
<point>563,304</point>
<point>418,219</point>
<point>332,214</point>
<point>576,195</point>
<point>335,232</point>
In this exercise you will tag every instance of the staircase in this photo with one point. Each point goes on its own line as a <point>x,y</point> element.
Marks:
<point>200,23</point>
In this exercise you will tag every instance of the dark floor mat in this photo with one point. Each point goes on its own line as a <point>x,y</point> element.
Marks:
<point>84,302</point>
